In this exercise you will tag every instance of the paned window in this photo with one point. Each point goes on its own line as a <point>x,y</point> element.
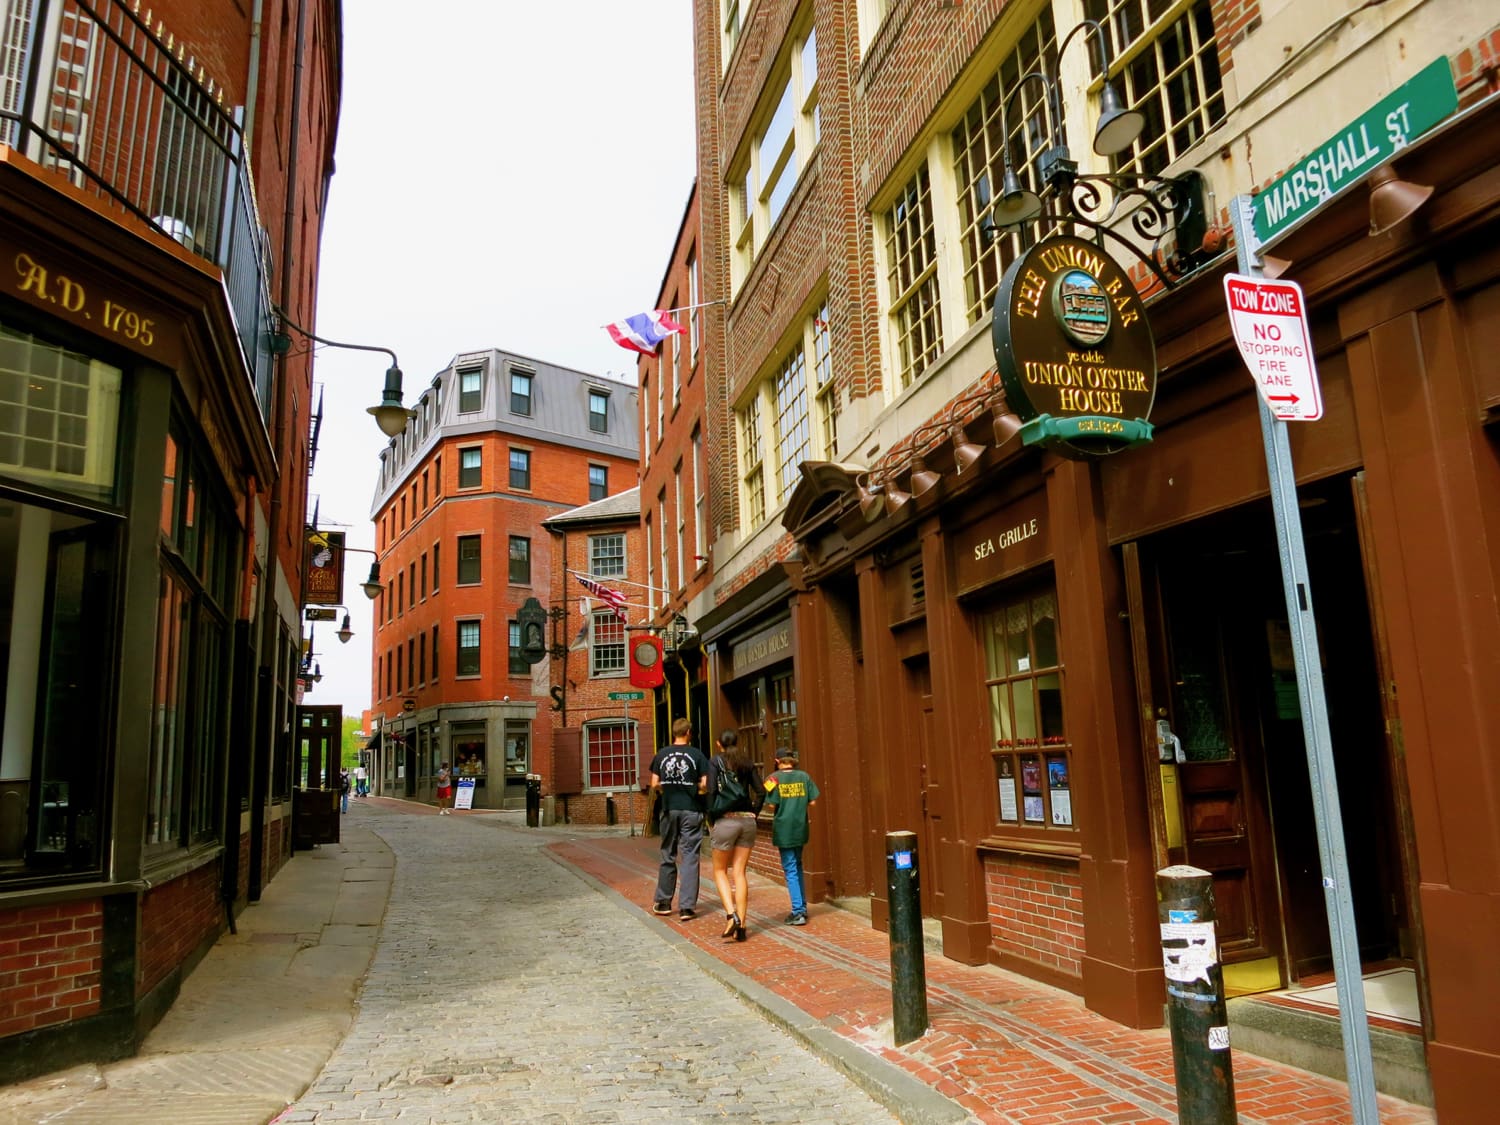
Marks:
<point>607,555</point>
<point>609,755</point>
<point>607,654</point>
<point>520,560</point>
<point>827,393</point>
<point>793,432</point>
<point>751,465</point>
<point>435,651</point>
<point>599,412</point>
<point>423,573</point>
<point>518,665</point>
<point>520,393</point>
<point>1173,79</point>
<point>470,390</point>
<point>979,160</point>
<point>661,522</point>
<point>598,482</point>
<point>468,648</point>
<point>650,566</point>
<point>731,24</point>
<point>783,695</point>
<point>912,282</point>
<point>436,569</point>
<point>700,501</point>
<point>694,324</point>
<point>470,570</point>
<point>520,469</point>
<point>469,468</point>
<point>681,524</point>
<point>59,416</point>
<point>1024,672</point>
<point>777,152</point>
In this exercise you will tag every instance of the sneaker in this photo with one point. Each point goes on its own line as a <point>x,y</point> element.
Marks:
<point>662,908</point>
<point>797,920</point>
<point>687,915</point>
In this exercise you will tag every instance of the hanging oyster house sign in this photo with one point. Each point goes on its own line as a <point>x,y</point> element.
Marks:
<point>1074,349</point>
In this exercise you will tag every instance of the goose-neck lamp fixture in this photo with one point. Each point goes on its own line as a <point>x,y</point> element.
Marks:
<point>390,415</point>
<point>1158,206</point>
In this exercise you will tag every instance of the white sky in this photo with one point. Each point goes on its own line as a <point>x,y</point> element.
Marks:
<point>509,175</point>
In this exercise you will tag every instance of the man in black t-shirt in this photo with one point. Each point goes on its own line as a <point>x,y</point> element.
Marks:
<point>679,774</point>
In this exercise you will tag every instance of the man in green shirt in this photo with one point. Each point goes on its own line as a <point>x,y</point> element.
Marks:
<point>790,792</point>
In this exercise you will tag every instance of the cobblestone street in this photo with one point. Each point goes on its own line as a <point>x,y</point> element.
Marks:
<point>505,988</point>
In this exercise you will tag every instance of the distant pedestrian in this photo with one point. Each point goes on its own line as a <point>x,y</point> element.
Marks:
<point>735,793</point>
<point>791,792</point>
<point>444,790</point>
<point>361,781</point>
<point>679,775</point>
<point>343,791</point>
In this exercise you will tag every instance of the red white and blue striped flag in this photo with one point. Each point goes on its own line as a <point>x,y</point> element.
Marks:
<point>612,598</point>
<point>643,332</point>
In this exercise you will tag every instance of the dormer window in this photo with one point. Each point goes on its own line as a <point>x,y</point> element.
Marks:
<point>599,412</point>
<point>470,390</point>
<point>520,392</point>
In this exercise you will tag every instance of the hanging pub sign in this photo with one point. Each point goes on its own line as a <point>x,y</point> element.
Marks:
<point>1074,349</point>
<point>323,568</point>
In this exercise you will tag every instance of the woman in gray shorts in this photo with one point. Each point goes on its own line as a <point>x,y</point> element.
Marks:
<point>734,784</point>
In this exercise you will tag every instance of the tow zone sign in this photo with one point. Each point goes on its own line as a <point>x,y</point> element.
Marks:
<point>1269,322</point>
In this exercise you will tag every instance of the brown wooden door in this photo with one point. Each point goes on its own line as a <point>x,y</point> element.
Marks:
<point>1195,630</point>
<point>920,737</point>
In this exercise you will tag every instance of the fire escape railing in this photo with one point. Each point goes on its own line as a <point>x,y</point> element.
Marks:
<point>91,92</point>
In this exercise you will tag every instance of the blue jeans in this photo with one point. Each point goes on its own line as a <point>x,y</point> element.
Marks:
<point>791,863</point>
<point>680,828</point>
<point>344,801</point>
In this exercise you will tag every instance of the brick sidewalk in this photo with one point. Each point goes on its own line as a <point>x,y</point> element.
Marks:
<point>1005,1048</point>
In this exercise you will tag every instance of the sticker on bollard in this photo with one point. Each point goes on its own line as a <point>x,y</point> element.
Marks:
<point>903,860</point>
<point>1182,915</point>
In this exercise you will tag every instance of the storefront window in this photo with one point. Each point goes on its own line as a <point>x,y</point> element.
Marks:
<point>1023,668</point>
<point>56,582</point>
<point>517,748</point>
<point>468,754</point>
<point>59,416</point>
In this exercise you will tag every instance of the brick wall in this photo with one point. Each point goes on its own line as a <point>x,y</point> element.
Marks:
<point>1036,911</point>
<point>49,964</point>
<point>175,919</point>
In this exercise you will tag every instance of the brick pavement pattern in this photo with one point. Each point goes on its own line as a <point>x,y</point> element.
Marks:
<point>506,988</point>
<point>1007,1049</point>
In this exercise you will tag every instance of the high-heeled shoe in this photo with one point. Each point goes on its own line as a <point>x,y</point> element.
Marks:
<point>732,924</point>
<point>739,930</point>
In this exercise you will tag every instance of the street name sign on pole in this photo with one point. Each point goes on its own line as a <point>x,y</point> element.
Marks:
<point>1327,817</point>
<point>1269,321</point>
<point>627,696</point>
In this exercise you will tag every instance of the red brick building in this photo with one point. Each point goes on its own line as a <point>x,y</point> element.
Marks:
<point>975,635</point>
<point>602,738</point>
<point>675,469</point>
<point>499,443</point>
<point>154,473</point>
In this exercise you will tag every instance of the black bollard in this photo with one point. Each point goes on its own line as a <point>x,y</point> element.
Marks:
<point>533,800</point>
<point>609,809</point>
<point>908,957</point>
<point>1195,996</point>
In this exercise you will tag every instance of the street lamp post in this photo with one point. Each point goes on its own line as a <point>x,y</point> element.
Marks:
<point>389,414</point>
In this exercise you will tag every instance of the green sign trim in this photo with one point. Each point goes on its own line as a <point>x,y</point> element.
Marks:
<point>1371,139</point>
<point>1046,428</point>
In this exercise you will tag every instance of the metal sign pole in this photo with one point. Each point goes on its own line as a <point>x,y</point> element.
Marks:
<point>636,782</point>
<point>1325,797</point>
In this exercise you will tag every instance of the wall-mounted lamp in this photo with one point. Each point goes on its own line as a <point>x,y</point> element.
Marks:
<point>965,452</point>
<point>1392,199</point>
<point>1006,423</point>
<point>923,479</point>
<point>390,415</point>
<point>1173,206</point>
<point>371,585</point>
<point>344,632</point>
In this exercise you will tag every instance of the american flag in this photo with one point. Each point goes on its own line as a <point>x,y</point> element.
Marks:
<point>612,598</point>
